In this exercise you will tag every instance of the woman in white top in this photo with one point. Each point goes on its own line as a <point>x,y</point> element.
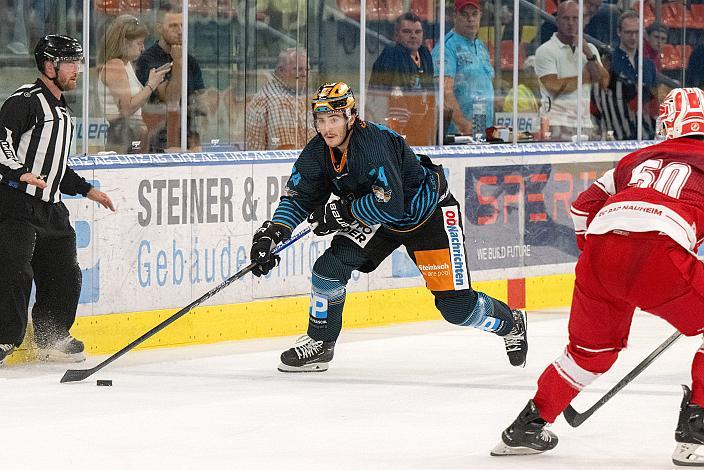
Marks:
<point>120,92</point>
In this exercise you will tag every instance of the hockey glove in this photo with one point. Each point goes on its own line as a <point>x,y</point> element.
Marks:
<point>330,218</point>
<point>263,243</point>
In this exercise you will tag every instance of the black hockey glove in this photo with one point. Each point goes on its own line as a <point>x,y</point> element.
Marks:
<point>331,217</point>
<point>263,243</point>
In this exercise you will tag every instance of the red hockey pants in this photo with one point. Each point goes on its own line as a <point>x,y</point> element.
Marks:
<point>616,273</point>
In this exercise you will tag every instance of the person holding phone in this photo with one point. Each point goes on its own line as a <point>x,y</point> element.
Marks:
<point>164,104</point>
<point>120,93</point>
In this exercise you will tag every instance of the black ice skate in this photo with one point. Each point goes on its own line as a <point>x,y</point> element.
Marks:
<point>526,435</point>
<point>5,350</point>
<point>516,340</point>
<point>689,433</point>
<point>65,349</point>
<point>308,355</point>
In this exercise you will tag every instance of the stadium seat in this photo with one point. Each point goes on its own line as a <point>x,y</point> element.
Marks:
<point>684,51</point>
<point>425,9</point>
<point>350,8</point>
<point>648,14</point>
<point>697,16</point>
<point>377,10</point>
<point>507,55</point>
<point>135,6</point>
<point>108,7</point>
<point>674,15</point>
<point>550,6</point>
<point>200,7</point>
<point>672,57</point>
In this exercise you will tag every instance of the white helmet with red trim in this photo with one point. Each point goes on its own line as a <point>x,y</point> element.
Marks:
<point>681,113</point>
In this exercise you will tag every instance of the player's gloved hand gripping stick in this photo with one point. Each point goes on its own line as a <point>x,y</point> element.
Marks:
<point>76,375</point>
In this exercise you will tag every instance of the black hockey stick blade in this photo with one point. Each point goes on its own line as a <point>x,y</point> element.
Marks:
<point>76,375</point>
<point>575,418</point>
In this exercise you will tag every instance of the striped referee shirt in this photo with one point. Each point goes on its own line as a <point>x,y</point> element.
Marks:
<point>36,132</point>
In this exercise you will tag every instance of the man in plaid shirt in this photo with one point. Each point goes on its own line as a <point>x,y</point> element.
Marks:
<point>277,115</point>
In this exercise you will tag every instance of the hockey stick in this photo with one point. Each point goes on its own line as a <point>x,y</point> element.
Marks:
<point>76,375</point>
<point>574,418</point>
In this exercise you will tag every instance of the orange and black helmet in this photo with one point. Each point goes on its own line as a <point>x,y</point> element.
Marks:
<point>333,97</point>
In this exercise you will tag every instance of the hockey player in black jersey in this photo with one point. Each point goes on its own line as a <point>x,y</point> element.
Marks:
<point>37,242</point>
<point>386,196</point>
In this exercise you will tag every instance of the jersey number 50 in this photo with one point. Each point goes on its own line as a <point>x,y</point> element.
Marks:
<point>668,180</point>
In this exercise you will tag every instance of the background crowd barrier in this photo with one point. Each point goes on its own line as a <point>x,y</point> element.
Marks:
<point>184,223</point>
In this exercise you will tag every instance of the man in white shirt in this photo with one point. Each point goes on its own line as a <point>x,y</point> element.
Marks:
<point>556,64</point>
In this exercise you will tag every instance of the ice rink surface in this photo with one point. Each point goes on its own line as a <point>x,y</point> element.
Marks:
<point>415,396</point>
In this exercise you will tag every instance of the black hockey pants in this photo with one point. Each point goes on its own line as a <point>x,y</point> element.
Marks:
<point>37,243</point>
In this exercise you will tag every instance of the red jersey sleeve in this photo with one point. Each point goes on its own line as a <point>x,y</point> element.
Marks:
<point>589,202</point>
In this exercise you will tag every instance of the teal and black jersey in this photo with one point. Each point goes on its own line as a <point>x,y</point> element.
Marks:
<point>381,177</point>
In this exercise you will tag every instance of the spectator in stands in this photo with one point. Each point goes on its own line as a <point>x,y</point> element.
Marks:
<point>617,104</point>
<point>277,116</point>
<point>694,76</point>
<point>599,21</point>
<point>556,64</point>
<point>406,64</point>
<point>401,88</point>
<point>655,38</point>
<point>166,98</point>
<point>120,92</point>
<point>468,71</point>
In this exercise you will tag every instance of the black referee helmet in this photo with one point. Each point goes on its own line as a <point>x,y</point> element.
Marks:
<point>57,48</point>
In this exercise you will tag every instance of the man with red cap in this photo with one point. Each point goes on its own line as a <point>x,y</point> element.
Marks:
<point>469,75</point>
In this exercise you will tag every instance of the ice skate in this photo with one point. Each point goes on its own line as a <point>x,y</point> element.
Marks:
<point>526,435</point>
<point>308,355</point>
<point>516,340</point>
<point>5,351</point>
<point>66,349</point>
<point>689,433</point>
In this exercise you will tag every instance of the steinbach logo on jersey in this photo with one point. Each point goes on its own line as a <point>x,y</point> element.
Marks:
<point>460,277</point>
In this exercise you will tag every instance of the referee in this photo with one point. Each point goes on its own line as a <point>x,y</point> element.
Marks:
<point>37,242</point>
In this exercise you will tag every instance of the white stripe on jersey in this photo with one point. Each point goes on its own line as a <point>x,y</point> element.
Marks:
<point>8,156</point>
<point>639,216</point>
<point>606,183</point>
<point>579,220</point>
<point>40,155</point>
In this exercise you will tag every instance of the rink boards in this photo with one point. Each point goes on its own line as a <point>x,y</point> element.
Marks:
<point>184,223</point>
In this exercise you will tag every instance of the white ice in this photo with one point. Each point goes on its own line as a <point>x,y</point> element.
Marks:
<point>415,396</point>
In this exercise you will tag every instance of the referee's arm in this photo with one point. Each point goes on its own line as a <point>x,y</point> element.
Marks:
<point>15,120</point>
<point>72,183</point>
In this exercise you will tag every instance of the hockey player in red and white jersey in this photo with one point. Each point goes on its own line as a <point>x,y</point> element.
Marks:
<point>638,227</point>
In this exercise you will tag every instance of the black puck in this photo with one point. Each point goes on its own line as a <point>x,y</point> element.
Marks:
<point>104,383</point>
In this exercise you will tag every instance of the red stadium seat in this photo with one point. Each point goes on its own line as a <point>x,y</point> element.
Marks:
<point>351,8</point>
<point>648,14</point>
<point>425,9</point>
<point>674,15</point>
<point>672,57</point>
<point>108,7</point>
<point>507,55</point>
<point>377,10</point>
<point>550,6</point>
<point>697,16</point>
<point>684,51</point>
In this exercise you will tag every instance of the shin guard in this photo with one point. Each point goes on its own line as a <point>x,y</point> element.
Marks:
<point>326,303</point>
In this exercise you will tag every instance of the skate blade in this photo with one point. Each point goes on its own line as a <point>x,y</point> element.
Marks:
<point>58,356</point>
<point>686,455</point>
<point>315,367</point>
<point>502,450</point>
